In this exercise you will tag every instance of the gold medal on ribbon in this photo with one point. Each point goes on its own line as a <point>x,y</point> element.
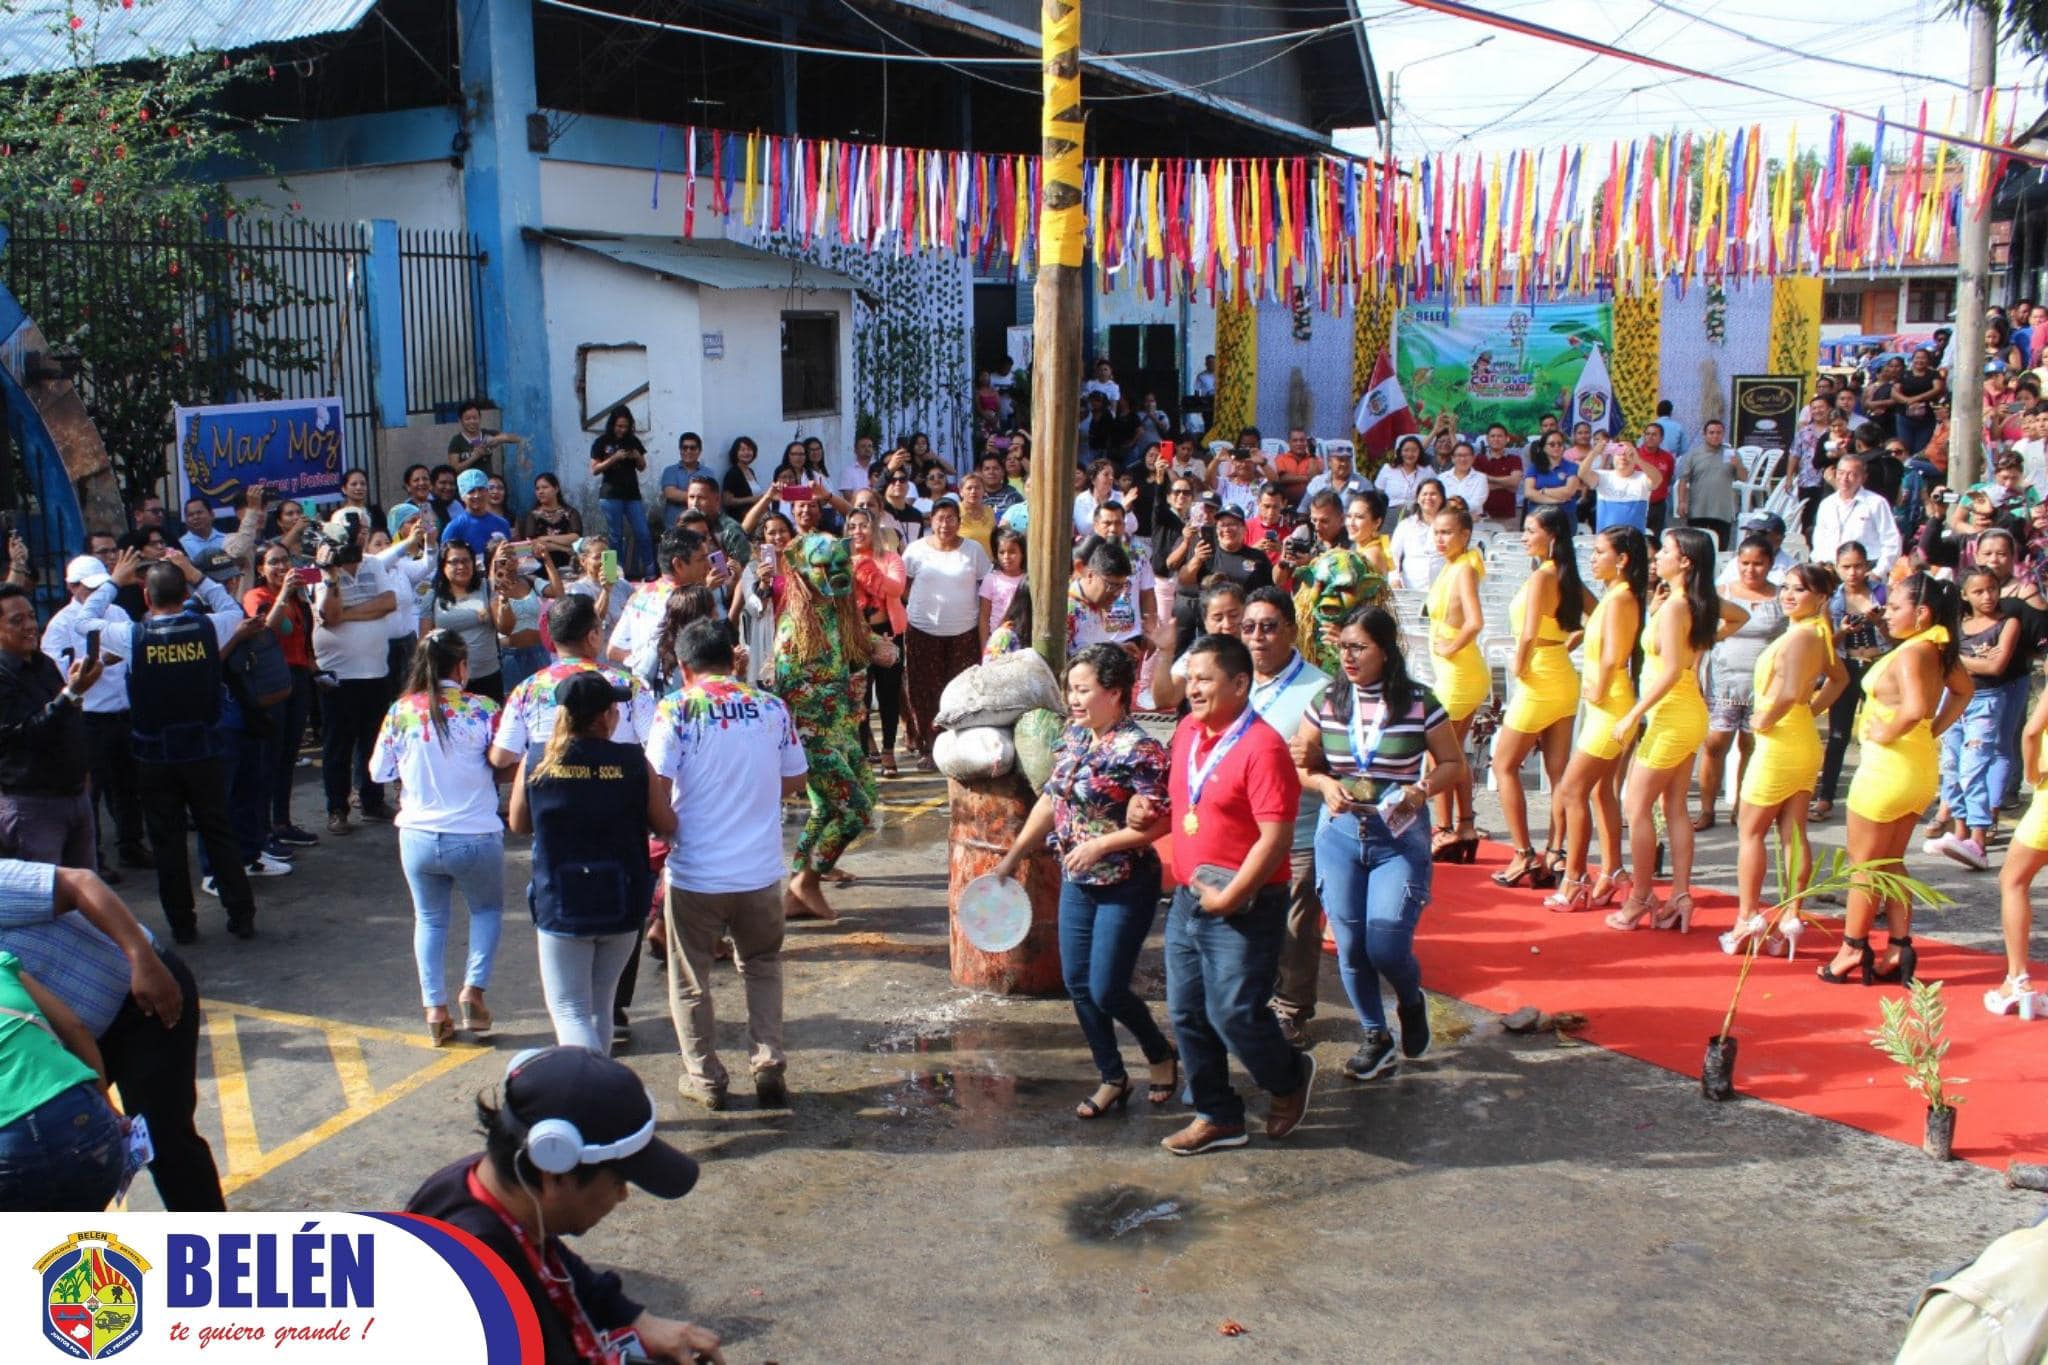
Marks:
<point>1191,824</point>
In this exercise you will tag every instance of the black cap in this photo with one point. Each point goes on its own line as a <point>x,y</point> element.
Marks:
<point>217,564</point>
<point>589,692</point>
<point>1232,510</point>
<point>606,1103</point>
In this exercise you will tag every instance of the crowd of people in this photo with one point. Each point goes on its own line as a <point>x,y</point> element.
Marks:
<point>641,701</point>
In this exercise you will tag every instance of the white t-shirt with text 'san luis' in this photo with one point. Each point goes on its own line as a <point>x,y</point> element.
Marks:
<point>725,748</point>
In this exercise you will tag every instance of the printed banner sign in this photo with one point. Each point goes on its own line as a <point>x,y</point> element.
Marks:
<point>1766,409</point>
<point>1514,365</point>
<point>292,446</point>
<point>255,1286</point>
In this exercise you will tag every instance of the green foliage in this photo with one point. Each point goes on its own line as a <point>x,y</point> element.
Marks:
<point>1912,1034</point>
<point>123,251</point>
<point>2021,23</point>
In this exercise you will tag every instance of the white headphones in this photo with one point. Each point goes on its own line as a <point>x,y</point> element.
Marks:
<point>557,1146</point>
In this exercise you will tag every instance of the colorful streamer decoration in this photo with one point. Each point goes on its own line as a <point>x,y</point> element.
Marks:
<point>1529,225</point>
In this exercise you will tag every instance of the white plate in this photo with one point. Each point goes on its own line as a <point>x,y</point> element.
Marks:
<point>994,913</point>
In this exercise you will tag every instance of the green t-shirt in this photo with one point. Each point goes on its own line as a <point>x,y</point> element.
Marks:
<point>34,1066</point>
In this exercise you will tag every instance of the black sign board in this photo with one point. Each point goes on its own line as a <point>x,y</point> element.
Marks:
<point>1766,410</point>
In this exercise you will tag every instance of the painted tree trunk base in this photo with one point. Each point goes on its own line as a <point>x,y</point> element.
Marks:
<point>1940,1142</point>
<point>987,815</point>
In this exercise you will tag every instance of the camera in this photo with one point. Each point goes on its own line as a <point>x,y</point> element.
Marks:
<point>347,534</point>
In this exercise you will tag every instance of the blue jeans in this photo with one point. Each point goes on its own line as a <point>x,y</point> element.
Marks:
<point>1975,761</point>
<point>1373,887</point>
<point>281,750</point>
<point>247,793</point>
<point>1101,930</point>
<point>579,976</point>
<point>436,866</point>
<point>1220,971</point>
<point>627,519</point>
<point>66,1155</point>
<point>517,665</point>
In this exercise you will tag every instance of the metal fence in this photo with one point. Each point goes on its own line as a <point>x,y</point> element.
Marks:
<point>293,287</point>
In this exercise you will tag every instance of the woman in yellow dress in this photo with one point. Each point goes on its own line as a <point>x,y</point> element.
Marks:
<point>2024,860</point>
<point>1797,675</point>
<point>1675,725</point>
<point>1462,681</point>
<point>1910,696</point>
<point>1587,792</point>
<point>1365,519</point>
<point>1546,614</point>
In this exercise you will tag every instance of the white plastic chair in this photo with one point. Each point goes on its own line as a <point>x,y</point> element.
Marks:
<point>1763,476</point>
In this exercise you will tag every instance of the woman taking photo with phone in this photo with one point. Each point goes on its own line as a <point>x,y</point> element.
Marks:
<point>516,606</point>
<point>1675,725</point>
<point>1795,676</point>
<point>616,461</point>
<point>1361,749</point>
<point>1545,614</point>
<point>1587,794</point>
<point>435,740</point>
<point>1910,696</point>
<point>461,602</point>
<point>278,580</point>
<point>1463,681</point>
<point>590,803</point>
<point>757,600</point>
<point>1109,875</point>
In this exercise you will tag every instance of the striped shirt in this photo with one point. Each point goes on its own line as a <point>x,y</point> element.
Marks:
<point>1393,746</point>
<point>81,965</point>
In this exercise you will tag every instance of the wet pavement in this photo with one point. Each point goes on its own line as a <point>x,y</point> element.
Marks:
<point>929,1195</point>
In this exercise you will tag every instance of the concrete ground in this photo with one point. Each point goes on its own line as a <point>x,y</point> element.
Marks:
<point>930,1196</point>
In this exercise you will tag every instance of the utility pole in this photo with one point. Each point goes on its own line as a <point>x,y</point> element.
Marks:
<point>1056,332</point>
<point>1973,257</point>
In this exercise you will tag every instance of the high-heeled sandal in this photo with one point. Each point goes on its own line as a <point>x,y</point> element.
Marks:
<point>439,1031</point>
<point>1440,838</point>
<point>1677,914</point>
<point>1634,911</point>
<point>1786,935</point>
<point>1573,894</point>
<point>1618,885</point>
<point>1747,927</point>
<point>1155,1093</point>
<point>1901,972</point>
<point>1554,863</point>
<point>1527,874</point>
<point>1859,973</point>
<point>2016,993</point>
<point>476,1019</point>
<point>1089,1109</point>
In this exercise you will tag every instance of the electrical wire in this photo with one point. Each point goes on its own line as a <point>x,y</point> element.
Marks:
<point>1806,56</point>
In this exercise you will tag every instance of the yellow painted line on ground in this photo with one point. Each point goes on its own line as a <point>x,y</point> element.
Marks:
<point>231,1089</point>
<point>922,808</point>
<point>246,1159</point>
<point>347,1049</point>
<point>264,1164</point>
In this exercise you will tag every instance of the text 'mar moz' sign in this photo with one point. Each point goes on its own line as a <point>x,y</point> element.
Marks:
<point>292,446</point>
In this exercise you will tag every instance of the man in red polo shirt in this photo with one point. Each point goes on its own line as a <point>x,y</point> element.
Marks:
<point>1234,796</point>
<point>1504,471</point>
<point>1650,450</point>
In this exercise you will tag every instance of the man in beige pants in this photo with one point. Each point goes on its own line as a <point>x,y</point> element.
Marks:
<point>729,755</point>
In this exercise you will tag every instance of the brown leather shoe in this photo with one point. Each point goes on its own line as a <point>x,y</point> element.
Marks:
<point>1204,1136</point>
<point>1285,1115</point>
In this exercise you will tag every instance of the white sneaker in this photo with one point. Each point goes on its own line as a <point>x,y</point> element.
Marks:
<point>267,866</point>
<point>206,885</point>
<point>1968,852</point>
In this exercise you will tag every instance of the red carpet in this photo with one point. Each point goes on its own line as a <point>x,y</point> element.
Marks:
<point>1658,997</point>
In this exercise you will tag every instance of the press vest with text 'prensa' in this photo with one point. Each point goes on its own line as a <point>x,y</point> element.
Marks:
<point>174,689</point>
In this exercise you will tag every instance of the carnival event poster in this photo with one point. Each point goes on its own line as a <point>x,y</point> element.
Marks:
<point>333,1287</point>
<point>292,446</point>
<point>1510,363</point>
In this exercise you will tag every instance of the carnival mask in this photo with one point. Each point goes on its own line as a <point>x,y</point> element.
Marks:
<point>825,563</point>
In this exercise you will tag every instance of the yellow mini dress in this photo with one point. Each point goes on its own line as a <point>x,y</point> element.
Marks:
<point>1462,680</point>
<point>1675,727</point>
<point>1896,779</point>
<point>2032,829</point>
<point>1597,734</point>
<point>1548,690</point>
<point>1788,755</point>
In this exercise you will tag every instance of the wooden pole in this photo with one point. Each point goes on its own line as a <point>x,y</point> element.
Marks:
<point>1973,256</point>
<point>1056,333</point>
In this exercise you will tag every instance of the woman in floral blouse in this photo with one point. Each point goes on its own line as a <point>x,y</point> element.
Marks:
<point>1109,875</point>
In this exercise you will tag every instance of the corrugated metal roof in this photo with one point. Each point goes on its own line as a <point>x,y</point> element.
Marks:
<point>35,40</point>
<point>717,262</point>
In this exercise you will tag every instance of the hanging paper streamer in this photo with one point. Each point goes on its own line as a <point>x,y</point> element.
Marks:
<point>1527,225</point>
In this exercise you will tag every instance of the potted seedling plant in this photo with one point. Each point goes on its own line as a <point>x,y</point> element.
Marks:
<point>1789,918</point>
<point>1912,1034</point>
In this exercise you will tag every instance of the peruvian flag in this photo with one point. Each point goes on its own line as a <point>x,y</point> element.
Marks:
<point>1383,416</point>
